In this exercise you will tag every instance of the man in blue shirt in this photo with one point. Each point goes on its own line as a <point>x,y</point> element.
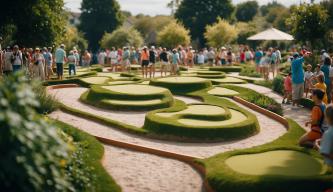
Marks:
<point>297,79</point>
<point>60,59</point>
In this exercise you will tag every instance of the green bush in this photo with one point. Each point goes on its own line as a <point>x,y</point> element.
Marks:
<point>257,99</point>
<point>278,85</point>
<point>37,157</point>
<point>250,71</point>
<point>228,69</point>
<point>47,102</point>
<point>265,83</point>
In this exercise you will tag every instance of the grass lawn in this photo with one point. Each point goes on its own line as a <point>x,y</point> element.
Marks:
<point>228,80</point>
<point>223,92</point>
<point>96,80</point>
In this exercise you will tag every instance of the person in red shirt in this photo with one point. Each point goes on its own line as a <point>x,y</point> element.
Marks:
<point>287,89</point>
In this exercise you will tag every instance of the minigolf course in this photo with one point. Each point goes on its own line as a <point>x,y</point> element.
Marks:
<point>279,163</point>
<point>223,92</point>
<point>128,97</point>
<point>202,121</point>
<point>182,84</point>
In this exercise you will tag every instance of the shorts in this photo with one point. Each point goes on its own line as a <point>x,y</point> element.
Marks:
<point>298,91</point>
<point>313,135</point>
<point>165,63</point>
<point>145,63</point>
<point>60,69</point>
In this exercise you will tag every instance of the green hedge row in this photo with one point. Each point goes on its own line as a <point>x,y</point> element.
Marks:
<point>182,88</point>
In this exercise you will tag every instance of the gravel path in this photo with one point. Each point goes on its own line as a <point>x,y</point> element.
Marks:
<point>270,129</point>
<point>300,115</point>
<point>137,172</point>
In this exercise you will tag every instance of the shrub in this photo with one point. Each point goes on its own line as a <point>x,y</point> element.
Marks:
<point>37,157</point>
<point>249,71</point>
<point>122,37</point>
<point>277,85</point>
<point>220,33</point>
<point>47,102</point>
<point>265,83</point>
<point>174,34</point>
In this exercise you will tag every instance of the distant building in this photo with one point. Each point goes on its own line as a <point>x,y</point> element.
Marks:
<point>74,18</point>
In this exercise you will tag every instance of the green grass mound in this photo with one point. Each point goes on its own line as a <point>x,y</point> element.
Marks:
<point>128,97</point>
<point>182,84</point>
<point>279,166</point>
<point>121,82</point>
<point>228,80</point>
<point>201,121</point>
<point>279,162</point>
<point>223,92</point>
<point>95,80</point>
<point>227,69</point>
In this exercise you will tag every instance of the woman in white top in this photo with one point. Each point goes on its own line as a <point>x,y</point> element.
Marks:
<point>38,65</point>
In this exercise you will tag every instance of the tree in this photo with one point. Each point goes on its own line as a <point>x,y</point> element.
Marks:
<point>197,14</point>
<point>74,38</point>
<point>173,35</point>
<point>245,30</point>
<point>246,11</point>
<point>37,22</point>
<point>150,26</point>
<point>266,8</point>
<point>122,37</point>
<point>308,23</point>
<point>99,17</point>
<point>173,5</point>
<point>220,33</point>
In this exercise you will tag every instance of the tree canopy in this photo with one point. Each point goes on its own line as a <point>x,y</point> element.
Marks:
<point>99,17</point>
<point>308,23</point>
<point>220,33</point>
<point>34,22</point>
<point>122,37</point>
<point>246,11</point>
<point>197,14</point>
<point>173,35</point>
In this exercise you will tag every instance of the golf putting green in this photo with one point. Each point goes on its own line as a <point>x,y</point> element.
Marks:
<point>280,162</point>
<point>128,97</point>
<point>202,121</point>
<point>228,80</point>
<point>95,80</point>
<point>135,89</point>
<point>236,117</point>
<point>121,82</point>
<point>223,92</point>
<point>182,84</point>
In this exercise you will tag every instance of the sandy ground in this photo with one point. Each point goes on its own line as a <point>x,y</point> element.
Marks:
<point>270,129</point>
<point>138,172</point>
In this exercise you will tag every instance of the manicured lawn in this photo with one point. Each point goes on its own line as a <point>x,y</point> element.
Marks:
<point>228,80</point>
<point>220,91</point>
<point>96,80</point>
<point>135,89</point>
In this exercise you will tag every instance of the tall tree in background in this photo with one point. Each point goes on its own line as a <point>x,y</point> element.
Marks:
<point>197,14</point>
<point>36,22</point>
<point>246,11</point>
<point>266,8</point>
<point>99,17</point>
<point>173,5</point>
<point>308,23</point>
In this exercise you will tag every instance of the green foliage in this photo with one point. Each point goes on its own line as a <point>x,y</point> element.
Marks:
<point>249,71</point>
<point>257,99</point>
<point>47,102</point>
<point>149,27</point>
<point>99,17</point>
<point>245,30</point>
<point>220,33</point>
<point>226,69</point>
<point>308,23</point>
<point>196,15</point>
<point>37,155</point>
<point>85,168</point>
<point>266,8</point>
<point>42,20</point>
<point>122,37</point>
<point>173,35</point>
<point>278,84</point>
<point>264,83</point>
<point>74,38</point>
<point>246,11</point>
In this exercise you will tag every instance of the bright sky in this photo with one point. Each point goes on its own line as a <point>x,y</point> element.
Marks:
<point>158,7</point>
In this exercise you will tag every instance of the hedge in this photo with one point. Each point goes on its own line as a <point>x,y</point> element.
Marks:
<point>227,69</point>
